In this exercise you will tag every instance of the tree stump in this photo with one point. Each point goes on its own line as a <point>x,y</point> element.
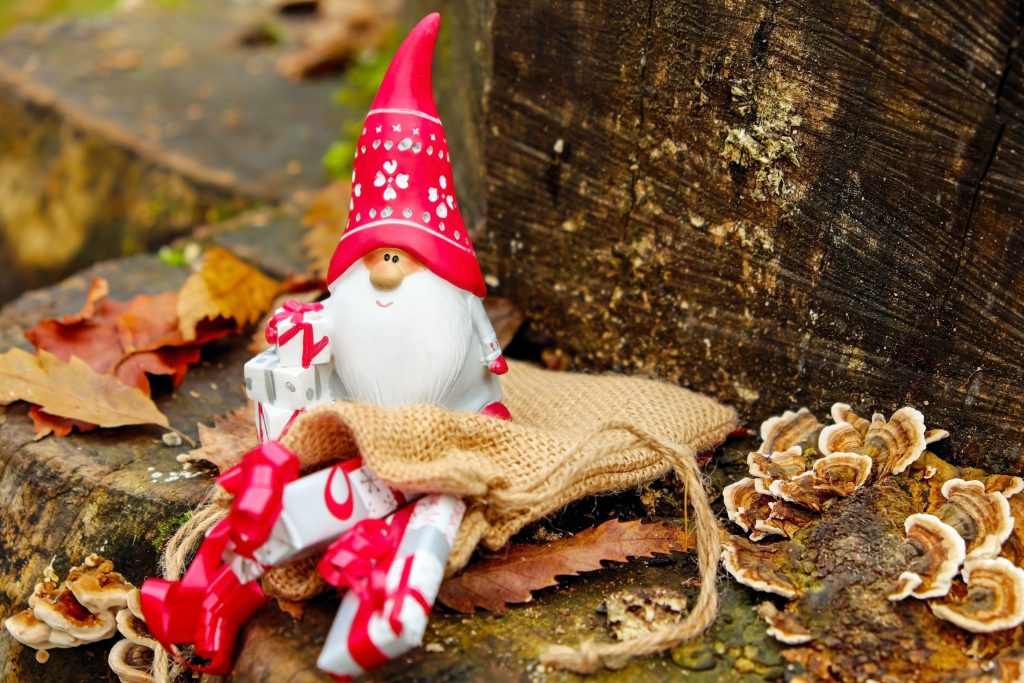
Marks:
<point>780,203</point>
<point>118,492</point>
<point>124,131</point>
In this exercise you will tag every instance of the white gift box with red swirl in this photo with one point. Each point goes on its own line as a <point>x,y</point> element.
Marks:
<point>315,510</point>
<point>367,633</point>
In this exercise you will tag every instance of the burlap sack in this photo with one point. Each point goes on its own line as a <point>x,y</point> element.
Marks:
<point>571,435</point>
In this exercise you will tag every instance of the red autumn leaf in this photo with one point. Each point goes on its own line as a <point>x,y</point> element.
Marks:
<point>45,423</point>
<point>91,334</point>
<point>496,582</point>
<point>126,339</point>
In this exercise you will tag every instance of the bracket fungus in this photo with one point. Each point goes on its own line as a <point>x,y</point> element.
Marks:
<point>132,658</point>
<point>131,662</point>
<point>783,519</point>
<point>844,473</point>
<point>82,609</point>
<point>790,429</point>
<point>893,444</point>
<point>756,565</point>
<point>744,504</point>
<point>789,482</point>
<point>780,465</point>
<point>784,626</point>
<point>993,598</point>
<point>983,519</point>
<point>938,551</point>
<point>1006,484</point>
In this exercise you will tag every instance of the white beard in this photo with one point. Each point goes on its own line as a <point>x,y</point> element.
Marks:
<point>408,353</point>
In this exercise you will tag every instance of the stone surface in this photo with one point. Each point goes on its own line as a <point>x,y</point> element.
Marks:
<point>125,130</point>
<point>779,203</point>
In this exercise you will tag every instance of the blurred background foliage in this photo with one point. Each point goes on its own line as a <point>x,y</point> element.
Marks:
<point>14,12</point>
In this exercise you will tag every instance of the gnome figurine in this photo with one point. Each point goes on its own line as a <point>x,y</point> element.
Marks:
<point>404,324</point>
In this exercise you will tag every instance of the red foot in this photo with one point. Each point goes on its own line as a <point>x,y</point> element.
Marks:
<point>498,410</point>
<point>206,608</point>
<point>258,485</point>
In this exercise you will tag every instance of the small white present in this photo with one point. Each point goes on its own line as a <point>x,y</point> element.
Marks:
<point>273,421</point>
<point>259,379</point>
<point>297,388</point>
<point>300,333</point>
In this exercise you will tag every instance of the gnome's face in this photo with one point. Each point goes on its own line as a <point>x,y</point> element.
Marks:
<point>388,268</point>
<point>400,334</point>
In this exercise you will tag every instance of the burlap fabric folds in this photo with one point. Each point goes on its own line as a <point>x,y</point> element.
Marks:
<point>572,435</point>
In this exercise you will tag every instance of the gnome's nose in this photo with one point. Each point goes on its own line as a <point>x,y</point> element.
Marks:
<point>386,275</point>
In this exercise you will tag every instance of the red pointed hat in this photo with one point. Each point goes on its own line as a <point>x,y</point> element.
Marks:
<point>403,194</point>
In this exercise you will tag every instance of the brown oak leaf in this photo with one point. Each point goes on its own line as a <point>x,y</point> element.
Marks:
<point>231,436</point>
<point>223,287</point>
<point>496,582</point>
<point>73,390</point>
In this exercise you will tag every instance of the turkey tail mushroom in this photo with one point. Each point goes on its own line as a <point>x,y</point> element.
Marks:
<point>992,601</point>
<point>894,444</point>
<point>782,432</point>
<point>938,551</point>
<point>843,473</point>
<point>983,519</point>
<point>757,566</point>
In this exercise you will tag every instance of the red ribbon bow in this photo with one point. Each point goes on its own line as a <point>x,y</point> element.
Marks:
<point>359,559</point>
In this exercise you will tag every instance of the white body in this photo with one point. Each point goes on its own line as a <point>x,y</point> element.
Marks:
<point>444,361</point>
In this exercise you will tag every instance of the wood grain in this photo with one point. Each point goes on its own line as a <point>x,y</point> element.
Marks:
<point>781,204</point>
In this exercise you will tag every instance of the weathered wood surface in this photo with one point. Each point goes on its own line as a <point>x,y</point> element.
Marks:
<point>114,491</point>
<point>123,131</point>
<point>779,203</point>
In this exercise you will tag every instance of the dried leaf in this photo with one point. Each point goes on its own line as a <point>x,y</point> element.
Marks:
<point>324,221</point>
<point>73,390</point>
<point>125,339</point>
<point>341,31</point>
<point>231,436</point>
<point>46,424</point>
<point>494,583</point>
<point>225,287</point>
<point>91,334</point>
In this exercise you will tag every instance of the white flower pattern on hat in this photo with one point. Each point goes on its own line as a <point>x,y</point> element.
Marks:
<point>391,179</point>
<point>357,190</point>
<point>442,197</point>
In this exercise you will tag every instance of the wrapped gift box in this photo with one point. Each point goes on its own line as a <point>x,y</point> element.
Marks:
<point>273,421</point>
<point>316,509</point>
<point>269,382</point>
<point>259,380</point>
<point>365,635</point>
<point>300,332</point>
